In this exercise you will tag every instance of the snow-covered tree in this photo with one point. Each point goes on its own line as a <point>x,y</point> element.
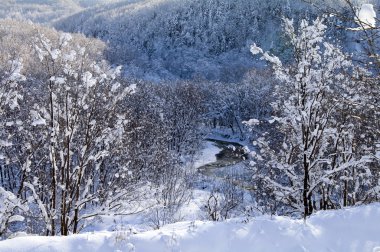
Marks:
<point>361,23</point>
<point>10,206</point>
<point>10,97</point>
<point>314,148</point>
<point>82,143</point>
<point>73,136</point>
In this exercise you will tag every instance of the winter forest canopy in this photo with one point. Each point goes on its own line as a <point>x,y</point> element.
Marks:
<point>172,110</point>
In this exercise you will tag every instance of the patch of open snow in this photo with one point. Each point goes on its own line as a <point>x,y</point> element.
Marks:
<point>194,210</point>
<point>366,17</point>
<point>226,135</point>
<point>351,229</point>
<point>208,154</point>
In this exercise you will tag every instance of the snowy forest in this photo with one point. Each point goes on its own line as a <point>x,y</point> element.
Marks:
<point>189,125</point>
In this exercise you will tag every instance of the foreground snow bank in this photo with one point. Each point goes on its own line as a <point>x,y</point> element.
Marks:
<point>354,229</point>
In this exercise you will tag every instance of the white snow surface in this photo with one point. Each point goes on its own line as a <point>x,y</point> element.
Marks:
<point>367,16</point>
<point>207,155</point>
<point>351,229</point>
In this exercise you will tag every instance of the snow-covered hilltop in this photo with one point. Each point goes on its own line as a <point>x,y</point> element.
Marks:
<point>178,39</point>
<point>45,11</point>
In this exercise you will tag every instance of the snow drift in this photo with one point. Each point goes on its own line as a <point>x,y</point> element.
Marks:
<point>352,229</point>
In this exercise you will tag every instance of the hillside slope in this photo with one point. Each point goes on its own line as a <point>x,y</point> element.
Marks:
<point>176,39</point>
<point>40,11</point>
<point>45,11</point>
<point>187,38</point>
<point>170,39</point>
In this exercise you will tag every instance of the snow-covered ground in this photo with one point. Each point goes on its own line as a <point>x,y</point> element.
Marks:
<point>207,155</point>
<point>352,229</point>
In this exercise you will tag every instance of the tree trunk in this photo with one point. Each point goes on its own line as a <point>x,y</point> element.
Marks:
<point>306,197</point>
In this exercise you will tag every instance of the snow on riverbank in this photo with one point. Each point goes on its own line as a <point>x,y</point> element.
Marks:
<point>353,229</point>
<point>207,155</point>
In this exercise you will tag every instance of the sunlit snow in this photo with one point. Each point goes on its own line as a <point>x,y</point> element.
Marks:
<point>366,17</point>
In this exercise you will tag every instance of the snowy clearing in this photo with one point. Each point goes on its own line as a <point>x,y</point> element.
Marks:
<point>367,16</point>
<point>207,155</point>
<point>353,229</point>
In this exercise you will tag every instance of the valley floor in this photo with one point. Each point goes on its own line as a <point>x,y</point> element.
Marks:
<point>351,229</point>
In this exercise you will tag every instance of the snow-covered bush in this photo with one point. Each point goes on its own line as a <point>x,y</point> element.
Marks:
<point>11,210</point>
<point>172,193</point>
<point>10,96</point>
<point>225,199</point>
